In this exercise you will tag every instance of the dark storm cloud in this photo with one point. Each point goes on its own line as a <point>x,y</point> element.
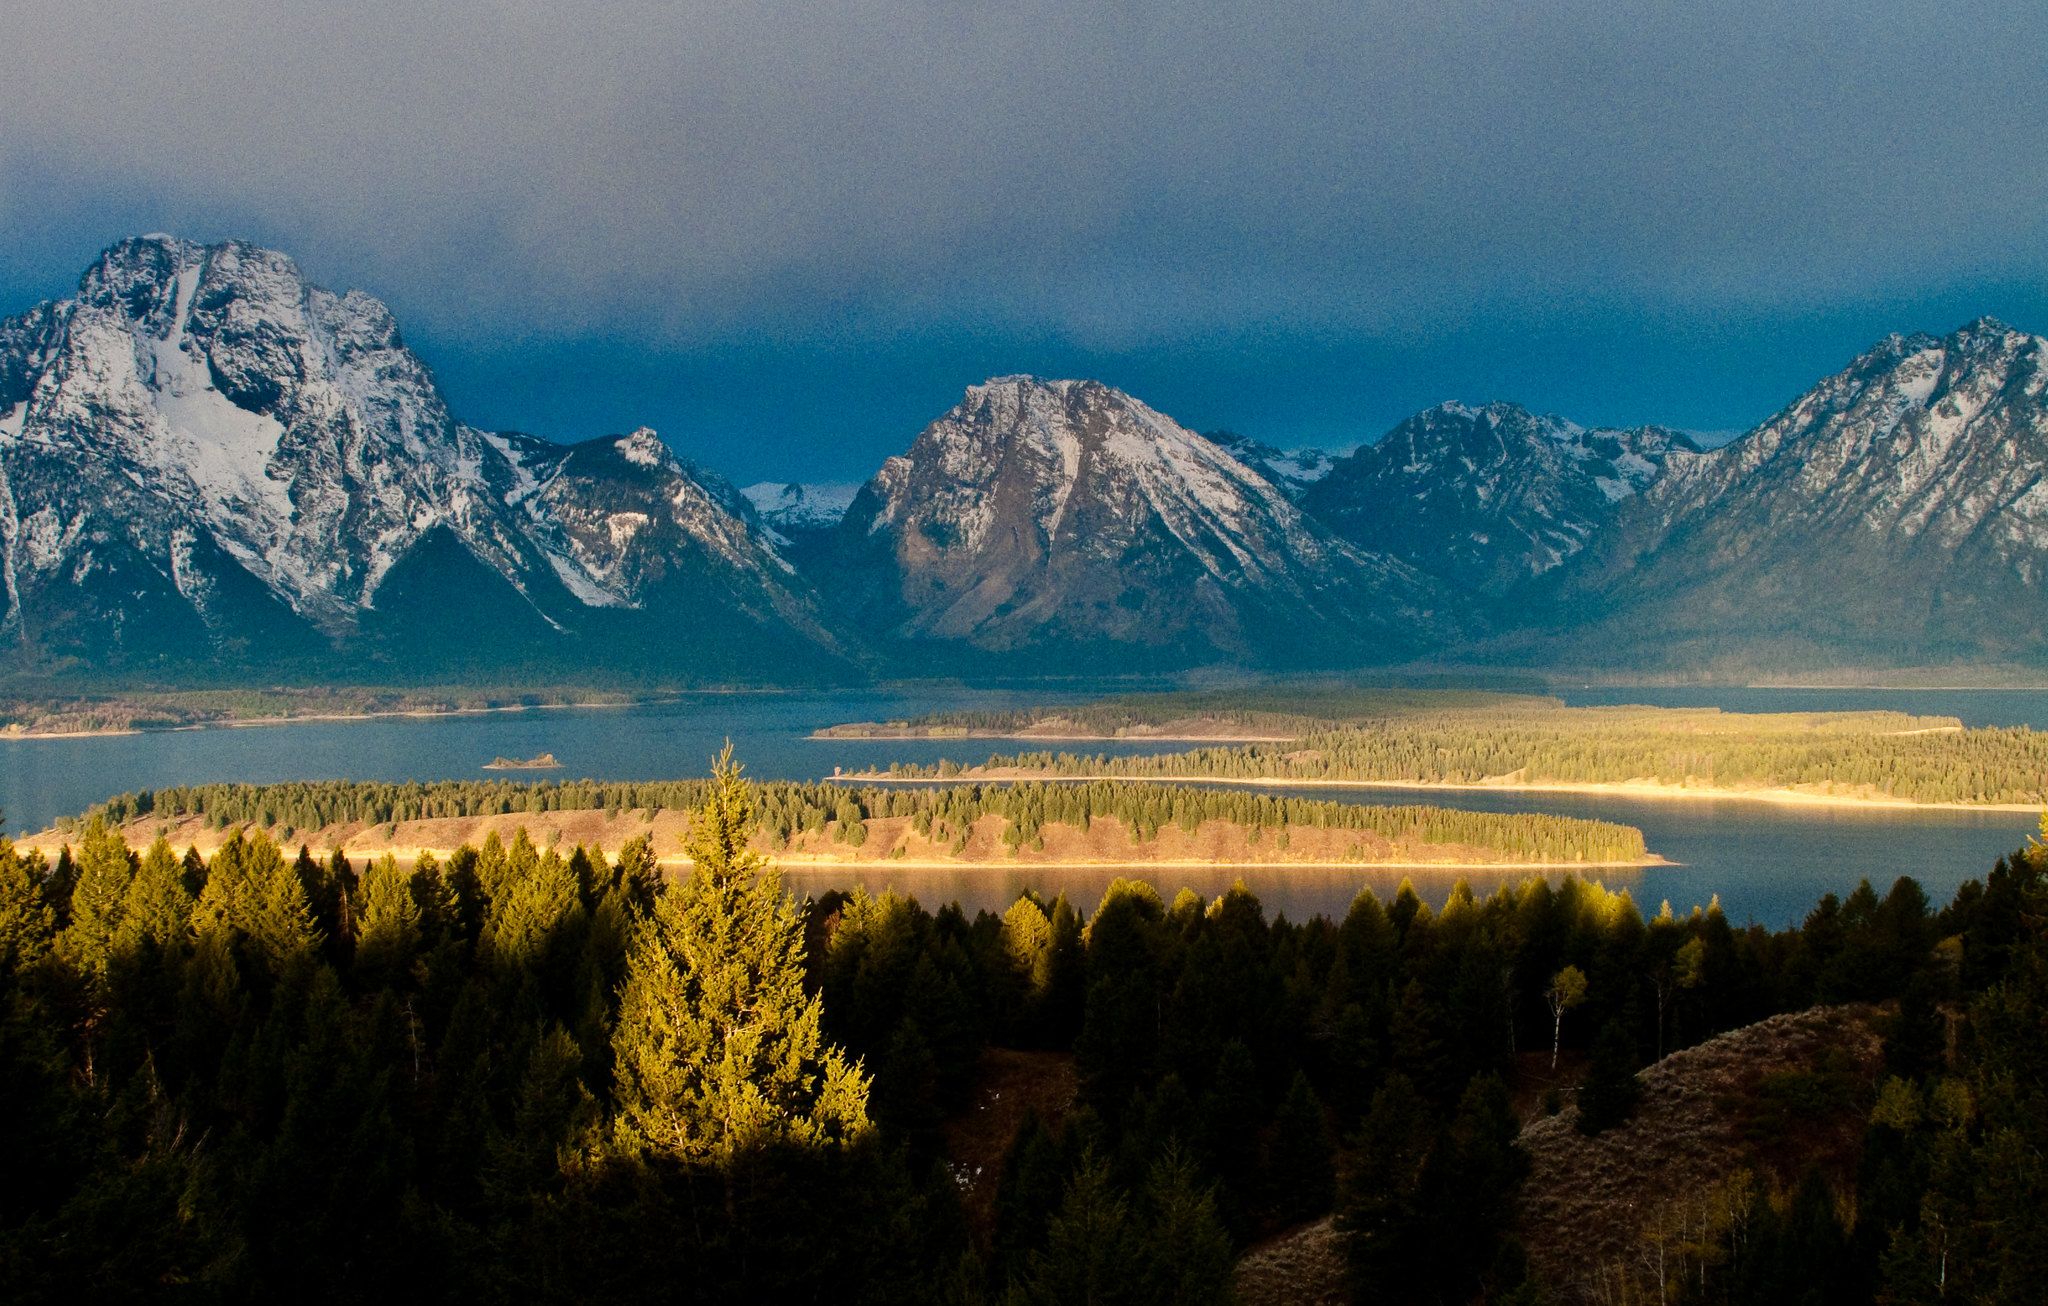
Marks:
<point>1115,177</point>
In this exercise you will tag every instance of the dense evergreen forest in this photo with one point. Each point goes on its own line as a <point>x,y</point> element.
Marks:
<point>1885,754</point>
<point>521,1074</point>
<point>784,809</point>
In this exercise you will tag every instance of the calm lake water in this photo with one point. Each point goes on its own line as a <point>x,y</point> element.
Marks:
<point>1766,863</point>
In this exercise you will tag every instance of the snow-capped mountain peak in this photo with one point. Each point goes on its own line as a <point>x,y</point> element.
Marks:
<point>644,448</point>
<point>1896,511</point>
<point>202,425</point>
<point>1041,510</point>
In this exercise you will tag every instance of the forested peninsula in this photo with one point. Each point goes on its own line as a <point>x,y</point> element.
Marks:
<point>852,824</point>
<point>1837,757</point>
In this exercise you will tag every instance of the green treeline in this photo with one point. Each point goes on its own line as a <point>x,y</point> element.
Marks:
<point>1919,759</point>
<point>539,1075</point>
<point>944,812</point>
<point>1272,709</point>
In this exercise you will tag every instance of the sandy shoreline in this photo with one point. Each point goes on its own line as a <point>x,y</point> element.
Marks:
<point>48,843</point>
<point>1178,863</point>
<point>942,736</point>
<point>890,841</point>
<point>1626,789</point>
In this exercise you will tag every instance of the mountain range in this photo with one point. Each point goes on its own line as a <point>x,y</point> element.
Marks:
<point>211,469</point>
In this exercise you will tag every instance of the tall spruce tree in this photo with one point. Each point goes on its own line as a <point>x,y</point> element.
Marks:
<point>1092,1252</point>
<point>718,1047</point>
<point>27,921</point>
<point>389,924</point>
<point>158,910</point>
<point>98,898</point>
<point>278,918</point>
<point>1188,1253</point>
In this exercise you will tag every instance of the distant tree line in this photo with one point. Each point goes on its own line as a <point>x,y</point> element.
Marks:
<point>1293,710</point>
<point>64,705</point>
<point>786,809</point>
<point>1911,758</point>
<point>546,1074</point>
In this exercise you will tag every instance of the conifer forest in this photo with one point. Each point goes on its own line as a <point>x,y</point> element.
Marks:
<point>538,1074</point>
<point>1435,739</point>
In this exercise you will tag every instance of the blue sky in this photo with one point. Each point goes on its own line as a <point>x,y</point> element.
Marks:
<point>787,235</point>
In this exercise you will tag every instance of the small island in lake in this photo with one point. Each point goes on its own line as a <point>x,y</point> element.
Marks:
<point>544,762</point>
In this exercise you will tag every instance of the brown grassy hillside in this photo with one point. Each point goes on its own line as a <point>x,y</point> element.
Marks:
<point>1771,1098</point>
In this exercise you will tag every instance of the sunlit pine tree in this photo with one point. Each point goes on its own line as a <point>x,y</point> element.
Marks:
<point>718,1047</point>
<point>98,899</point>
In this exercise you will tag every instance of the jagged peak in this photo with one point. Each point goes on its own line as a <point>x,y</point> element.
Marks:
<point>1893,349</point>
<point>1986,334</point>
<point>1985,324</point>
<point>644,448</point>
<point>161,254</point>
<point>134,276</point>
<point>1495,415</point>
<point>129,248</point>
<point>1029,381</point>
<point>1917,363</point>
<point>1024,387</point>
<point>1060,417</point>
<point>1495,411</point>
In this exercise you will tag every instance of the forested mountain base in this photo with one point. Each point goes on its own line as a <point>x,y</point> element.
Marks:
<point>519,1074</point>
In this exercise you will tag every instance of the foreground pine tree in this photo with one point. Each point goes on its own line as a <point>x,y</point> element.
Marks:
<point>719,1050</point>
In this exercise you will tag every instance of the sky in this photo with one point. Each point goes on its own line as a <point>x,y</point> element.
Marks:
<point>787,235</point>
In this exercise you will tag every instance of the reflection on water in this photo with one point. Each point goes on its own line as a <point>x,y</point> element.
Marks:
<point>1766,863</point>
<point>1298,892</point>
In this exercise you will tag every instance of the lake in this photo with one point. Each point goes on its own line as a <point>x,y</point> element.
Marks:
<point>1766,863</point>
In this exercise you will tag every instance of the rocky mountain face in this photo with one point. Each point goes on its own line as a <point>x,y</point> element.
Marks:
<point>206,461</point>
<point>796,510</point>
<point>1488,499</point>
<point>1896,513</point>
<point>1063,523</point>
<point>1293,470</point>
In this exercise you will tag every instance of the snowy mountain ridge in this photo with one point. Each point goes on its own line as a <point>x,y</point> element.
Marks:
<point>1895,512</point>
<point>1490,497</point>
<point>199,418</point>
